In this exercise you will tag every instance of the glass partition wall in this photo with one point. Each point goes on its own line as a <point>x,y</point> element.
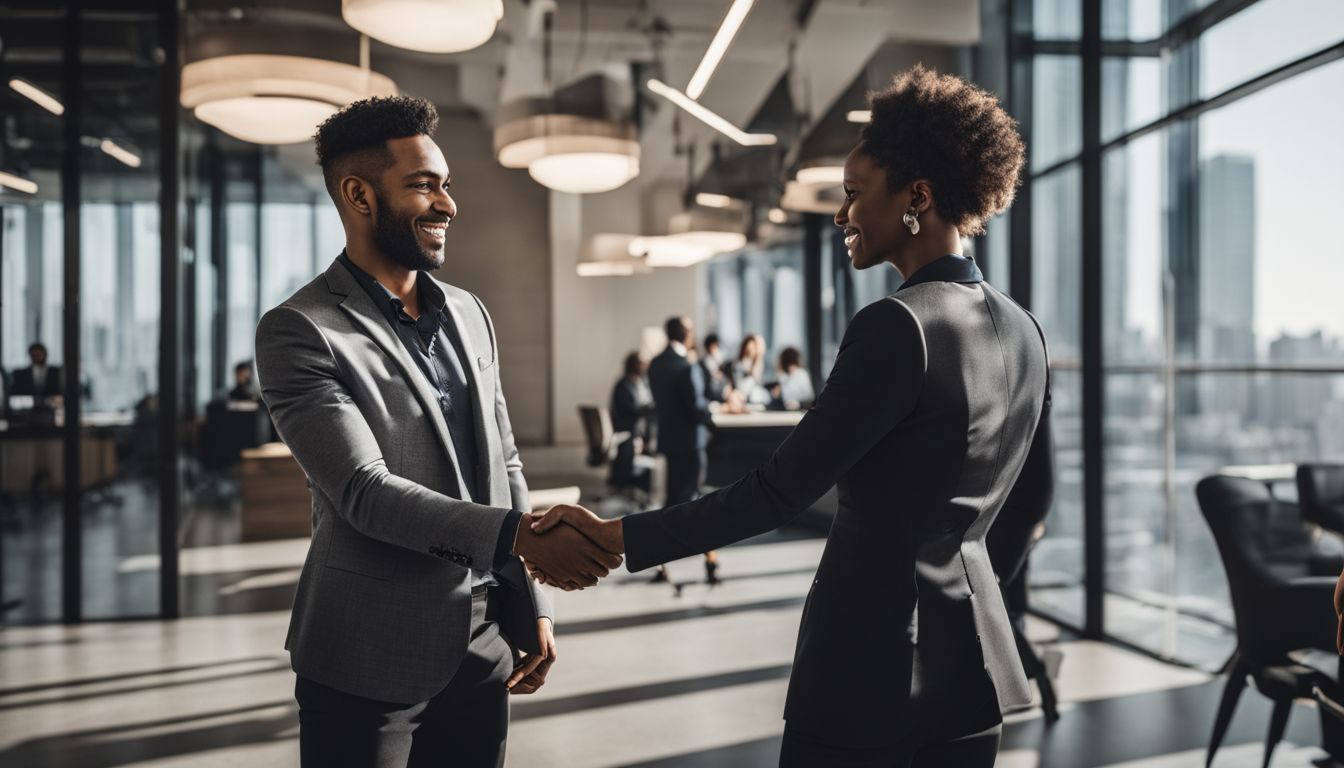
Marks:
<point>1183,171</point>
<point>89,158</point>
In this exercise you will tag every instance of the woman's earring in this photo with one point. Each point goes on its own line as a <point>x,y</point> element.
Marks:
<point>911,221</point>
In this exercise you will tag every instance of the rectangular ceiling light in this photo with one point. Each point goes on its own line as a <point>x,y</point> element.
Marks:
<point>18,183</point>
<point>859,115</point>
<point>604,269</point>
<point>709,118</point>
<point>120,153</point>
<point>712,200</point>
<point>38,96</point>
<point>737,13</point>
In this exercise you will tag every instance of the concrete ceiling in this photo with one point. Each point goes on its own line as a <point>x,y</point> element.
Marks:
<point>793,66</point>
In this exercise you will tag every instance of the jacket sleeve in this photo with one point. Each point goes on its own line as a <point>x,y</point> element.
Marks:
<point>875,384</point>
<point>315,415</point>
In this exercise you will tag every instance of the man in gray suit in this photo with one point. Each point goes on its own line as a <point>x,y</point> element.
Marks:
<point>413,604</point>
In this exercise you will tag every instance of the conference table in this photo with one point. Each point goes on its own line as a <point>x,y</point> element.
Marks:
<point>741,442</point>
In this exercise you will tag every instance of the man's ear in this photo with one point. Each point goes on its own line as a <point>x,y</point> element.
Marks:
<point>357,195</point>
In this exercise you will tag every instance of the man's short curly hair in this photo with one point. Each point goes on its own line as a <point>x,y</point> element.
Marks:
<point>938,127</point>
<point>353,142</point>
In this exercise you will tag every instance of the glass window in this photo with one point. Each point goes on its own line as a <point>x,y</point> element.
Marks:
<point>1131,19</point>
<point>1266,35</point>
<point>1056,257</point>
<point>1132,94</point>
<point>240,226</point>
<point>287,250</point>
<point>1270,261</point>
<point>1056,110</point>
<point>120,299</point>
<point>1050,19</point>
<point>1134,215</point>
<point>1057,562</point>
<point>1056,575</point>
<point>762,293</point>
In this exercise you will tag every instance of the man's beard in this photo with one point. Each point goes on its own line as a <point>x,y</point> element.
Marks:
<point>396,237</point>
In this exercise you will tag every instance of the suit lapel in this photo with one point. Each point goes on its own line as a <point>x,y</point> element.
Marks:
<point>471,365</point>
<point>366,316</point>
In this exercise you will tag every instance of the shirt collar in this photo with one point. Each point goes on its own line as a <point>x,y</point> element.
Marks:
<point>949,269</point>
<point>432,297</point>
<point>677,347</point>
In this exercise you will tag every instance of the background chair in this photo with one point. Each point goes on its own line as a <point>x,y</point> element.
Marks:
<point>1278,606</point>
<point>1320,494</point>
<point>631,476</point>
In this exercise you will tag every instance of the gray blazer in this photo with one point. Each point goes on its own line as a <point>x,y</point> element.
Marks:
<point>924,427</point>
<point>383,608</point>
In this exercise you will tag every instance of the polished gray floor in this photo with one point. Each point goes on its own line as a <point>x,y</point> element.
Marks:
<point>647,676</point>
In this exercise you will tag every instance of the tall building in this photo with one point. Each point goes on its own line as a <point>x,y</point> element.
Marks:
<point>1299,400</point>
<point>1225,276</point>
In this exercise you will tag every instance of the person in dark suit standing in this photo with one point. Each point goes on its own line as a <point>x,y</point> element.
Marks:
<point>684,421</point>
<point>413,602</point>
<point>39,381</point>
<point>631,407</point>
<point>930,415</point>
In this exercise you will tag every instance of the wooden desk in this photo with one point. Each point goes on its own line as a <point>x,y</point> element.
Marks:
<point>276,500</point>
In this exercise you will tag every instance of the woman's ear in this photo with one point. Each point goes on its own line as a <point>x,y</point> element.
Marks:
<point>921,195</point>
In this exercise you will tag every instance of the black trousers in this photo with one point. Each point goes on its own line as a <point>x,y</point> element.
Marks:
<point>977,750</point>
<point>685,470</point>
<point>465,724</point>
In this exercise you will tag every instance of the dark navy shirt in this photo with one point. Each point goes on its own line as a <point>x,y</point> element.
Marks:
<point>433,342</point>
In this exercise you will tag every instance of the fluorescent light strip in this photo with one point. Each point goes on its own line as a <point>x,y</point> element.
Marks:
<point>859,115</point>
<point>737,13</point>
<point>711,200</point>
<point>120,153</point>
<point>709,118</point>
<point>38,96</point>
<point>17,183</point>
<point>604,269</point>
<point>821,175</point>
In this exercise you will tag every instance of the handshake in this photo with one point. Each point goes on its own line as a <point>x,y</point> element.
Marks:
<point>568,546</point>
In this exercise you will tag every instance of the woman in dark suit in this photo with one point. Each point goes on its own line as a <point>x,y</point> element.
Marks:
<point>905,656</point>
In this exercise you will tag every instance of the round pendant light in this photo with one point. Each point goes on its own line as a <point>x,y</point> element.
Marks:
<point>570,153</point>
<point>432,26</point>
<point>269,99</point>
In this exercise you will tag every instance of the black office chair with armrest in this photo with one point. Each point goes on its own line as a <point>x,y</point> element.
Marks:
<point>1276,603</point>
<point>606,447</point>
<point>1320,495</point>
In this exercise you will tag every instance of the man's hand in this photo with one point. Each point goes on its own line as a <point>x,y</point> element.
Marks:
<point>569,559</point>
<point>529,672</point>
<point>607,534</point>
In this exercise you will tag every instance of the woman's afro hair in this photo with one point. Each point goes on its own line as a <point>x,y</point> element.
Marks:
<point>940,128</point>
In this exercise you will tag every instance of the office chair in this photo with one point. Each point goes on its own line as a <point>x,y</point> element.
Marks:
<point>1320,495</point>
<point>1277,605</point>
<point>604,444</point>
